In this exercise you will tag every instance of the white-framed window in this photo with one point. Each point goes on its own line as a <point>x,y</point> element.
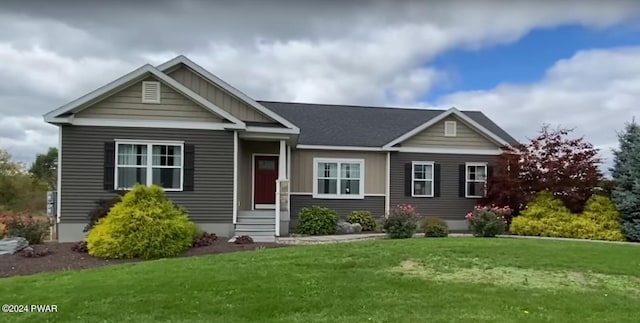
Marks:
<point>422,174</point>
<point>150,92</point>
<point>450,128</point>
<point>475,179</point>
<point>338,178</point>
<point>149,163</point>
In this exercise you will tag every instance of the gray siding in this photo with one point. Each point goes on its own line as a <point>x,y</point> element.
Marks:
<point>83,162</point>
<point>127,104</point>
<point>373,204</point>
<point>448,205</point>
<point>218,95</point>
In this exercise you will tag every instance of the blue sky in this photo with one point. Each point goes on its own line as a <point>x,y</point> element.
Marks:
<point>525,60</point>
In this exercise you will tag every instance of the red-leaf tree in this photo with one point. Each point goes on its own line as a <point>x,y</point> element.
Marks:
<point>551,161</point>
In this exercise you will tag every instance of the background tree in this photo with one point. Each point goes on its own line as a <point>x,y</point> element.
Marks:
<point>626,173</point>
<point>44,168</point>
<point>18,189</point>
<point>551,161</point>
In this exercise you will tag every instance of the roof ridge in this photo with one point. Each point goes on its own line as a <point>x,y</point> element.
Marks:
<point>354,105</point>
<point>363,106</point>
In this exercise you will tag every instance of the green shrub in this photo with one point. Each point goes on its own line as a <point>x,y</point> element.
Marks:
<point>24,224</point>
<point>598,221</point>
<point>435,227</point>
<point>488,221</point>
<point>546,205</point>
<point>102,209</point>
<point>144,224</point>
<point>317,220</point>
<point>365,219</point>
<point>401,222</point>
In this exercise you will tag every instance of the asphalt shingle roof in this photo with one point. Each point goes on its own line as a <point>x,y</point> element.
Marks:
<point>346,125</point>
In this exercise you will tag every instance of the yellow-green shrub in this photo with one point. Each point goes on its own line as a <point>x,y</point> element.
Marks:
<point>599,221</point>
<point>365,219</point>
<point>144,224</point>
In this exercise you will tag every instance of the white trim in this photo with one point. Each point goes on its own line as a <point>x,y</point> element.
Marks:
<point>452,125</point>
<point>272,130</point>
<point>350,148</point>
<point>97,122</point>
<point>451,111</point>
<point>149,166</point>
<point>253,176</point>
<point>59,180</point>
<point>339,161</point>
<point>265,206</point>
<point>146,84</point>
<point>135,76</point>
<point>413,179</point>
<point>387,188</point>
<point>311,193</point>
<point>448,151</point>
<point>235,177</point>
<point>282,161</point>
<point>466,178</point>
<point>217,81</point>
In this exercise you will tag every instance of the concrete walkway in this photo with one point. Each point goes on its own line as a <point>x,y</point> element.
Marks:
<point>339,238</point>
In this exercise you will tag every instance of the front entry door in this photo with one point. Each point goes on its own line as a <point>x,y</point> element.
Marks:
<point>265,174</point>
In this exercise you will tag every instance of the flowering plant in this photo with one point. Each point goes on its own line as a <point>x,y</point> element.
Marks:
<point>401,222</point>
<point>488,221</point>
<point>23,224</point>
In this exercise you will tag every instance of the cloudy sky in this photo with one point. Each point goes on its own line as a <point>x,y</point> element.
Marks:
<point>523,63</point>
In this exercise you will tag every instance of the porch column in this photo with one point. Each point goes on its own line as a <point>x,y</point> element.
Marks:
<point>282,161</point>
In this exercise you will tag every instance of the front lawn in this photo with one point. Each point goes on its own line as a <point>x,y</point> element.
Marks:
<point>414,280</point>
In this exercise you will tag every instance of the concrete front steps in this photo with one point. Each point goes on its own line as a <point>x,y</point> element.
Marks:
<point>258,224</point>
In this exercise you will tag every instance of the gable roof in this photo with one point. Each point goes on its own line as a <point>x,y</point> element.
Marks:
<point>181,59</point>
<point>58,115</point>
<point>333,125</point>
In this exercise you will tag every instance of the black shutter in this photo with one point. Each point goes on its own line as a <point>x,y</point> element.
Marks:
<point>489,173</point>
<point>407,179</point>
<point>436,180</point>
<point>461,180</point>
<point>109,165</point>
<point>189,161</point>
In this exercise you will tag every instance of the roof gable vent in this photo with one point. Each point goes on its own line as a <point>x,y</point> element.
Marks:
<point>450,128</point>
<point>150,92</point>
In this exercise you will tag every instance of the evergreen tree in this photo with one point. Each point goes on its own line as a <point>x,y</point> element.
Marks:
<point>626,173</point>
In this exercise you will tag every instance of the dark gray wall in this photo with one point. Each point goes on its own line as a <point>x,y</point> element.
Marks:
<point>83,169</point>
<point>449,205</point>
<point>373,204</point>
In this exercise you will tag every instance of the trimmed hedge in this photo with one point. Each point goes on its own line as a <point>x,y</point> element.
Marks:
<point>145,224</point>
<point>547,217</point>
<point>435,227</point>
<point>365,219</point>
<point>317,220</point>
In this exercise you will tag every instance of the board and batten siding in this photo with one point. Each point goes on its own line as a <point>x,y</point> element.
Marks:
<point>434,137</point>
<point>373,204</point>
<point>302,168</point>
<point>127,104</point>
<point>211,201</point>
<point>217,95</point>
<point>449,205</point>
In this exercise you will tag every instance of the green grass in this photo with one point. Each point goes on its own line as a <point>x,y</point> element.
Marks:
<point>416,280</point>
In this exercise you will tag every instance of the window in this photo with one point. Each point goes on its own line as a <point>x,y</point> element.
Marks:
<point>150,92</point>
<point>450,128</point>
<point>422,179</point>
<point>337,178</point>
<point>476,179</point>
<point>149,163</point>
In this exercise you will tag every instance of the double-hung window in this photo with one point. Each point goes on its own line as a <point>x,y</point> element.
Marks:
<point>422,179</point>
<point>149,163</point>
<point>338,178</point>
<point>476,179</point>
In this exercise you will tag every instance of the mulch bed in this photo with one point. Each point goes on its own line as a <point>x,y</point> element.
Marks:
<point>63,258</point>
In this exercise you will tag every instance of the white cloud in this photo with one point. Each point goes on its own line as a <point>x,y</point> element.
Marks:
<point>595,92</point>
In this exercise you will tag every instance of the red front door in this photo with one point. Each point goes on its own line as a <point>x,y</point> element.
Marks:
<point>265,176</point>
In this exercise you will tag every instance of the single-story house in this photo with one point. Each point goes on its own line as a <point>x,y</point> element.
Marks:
<point>241,166</point>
